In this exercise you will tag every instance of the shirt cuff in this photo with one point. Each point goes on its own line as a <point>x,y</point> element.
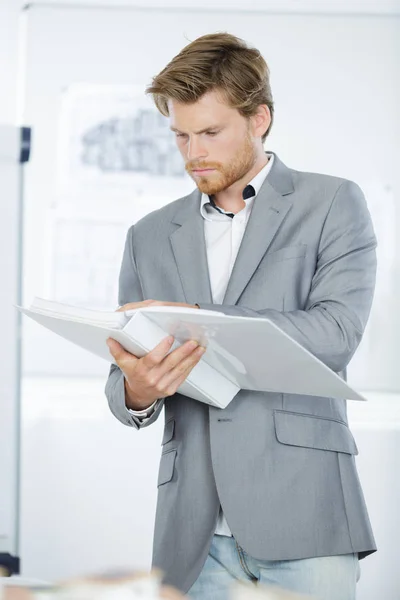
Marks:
<point>145,413</point>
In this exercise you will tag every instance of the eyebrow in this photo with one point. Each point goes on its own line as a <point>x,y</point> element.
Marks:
<point>197,132</point>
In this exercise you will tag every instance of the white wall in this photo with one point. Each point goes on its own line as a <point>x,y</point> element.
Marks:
<point>358,7</point>
<point>11,9</point>
<point>9,13</point>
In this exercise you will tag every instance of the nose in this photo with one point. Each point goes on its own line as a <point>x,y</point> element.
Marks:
<point>195,149</point>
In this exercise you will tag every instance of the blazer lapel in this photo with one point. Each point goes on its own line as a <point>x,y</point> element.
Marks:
<point>188,242</point>
<point>189,249</point>
<point>268,213</point>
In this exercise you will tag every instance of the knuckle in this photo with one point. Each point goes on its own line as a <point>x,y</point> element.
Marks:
<point>127,365</point>
<point>151,380</point>
<point>121,364</point>
<point>186,363</point>
<point>179,370</point>
<point>150,360</point>
<point>159,388</point>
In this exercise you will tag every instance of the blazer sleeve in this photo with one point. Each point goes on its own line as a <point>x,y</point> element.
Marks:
<point>130,290</point>
<point>333,321</point>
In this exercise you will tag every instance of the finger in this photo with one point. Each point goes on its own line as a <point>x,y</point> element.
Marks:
<point>159,352</point>
<point>134,305</point>
<point>176,356</point>
<point>175,377</point>
<point>175,304</point>
<point>119,353</point>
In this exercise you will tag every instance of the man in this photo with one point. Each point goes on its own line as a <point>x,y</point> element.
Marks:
<point>265,490</point>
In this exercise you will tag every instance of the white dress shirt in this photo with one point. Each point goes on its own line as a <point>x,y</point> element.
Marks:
<point>223,236</point>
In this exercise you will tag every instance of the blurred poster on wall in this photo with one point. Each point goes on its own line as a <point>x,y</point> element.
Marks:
<point>114,138</point>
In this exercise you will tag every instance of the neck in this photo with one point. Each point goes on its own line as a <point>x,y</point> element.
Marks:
<point>231,199</point>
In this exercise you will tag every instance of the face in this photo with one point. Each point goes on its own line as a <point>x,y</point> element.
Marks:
<point>217,143</point>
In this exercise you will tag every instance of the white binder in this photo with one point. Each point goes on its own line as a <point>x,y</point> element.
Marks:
<point>242,352</point>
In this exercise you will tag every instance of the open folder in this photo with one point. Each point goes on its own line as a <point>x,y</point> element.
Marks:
<point>242,352</point>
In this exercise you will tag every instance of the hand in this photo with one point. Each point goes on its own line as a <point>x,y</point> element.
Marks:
<point>158,374</point>
<point>145,303</point>
<point>170,593</point>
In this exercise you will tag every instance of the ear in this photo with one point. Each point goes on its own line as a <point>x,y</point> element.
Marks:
<point>261,120</point>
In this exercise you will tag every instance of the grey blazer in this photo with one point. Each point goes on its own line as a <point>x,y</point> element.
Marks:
<point>281,465</point>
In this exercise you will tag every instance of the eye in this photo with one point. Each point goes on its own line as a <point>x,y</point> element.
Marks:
<point>180,135</point>
<point>212,133</point>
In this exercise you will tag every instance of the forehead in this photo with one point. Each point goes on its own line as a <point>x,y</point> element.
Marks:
<point>211,108</point>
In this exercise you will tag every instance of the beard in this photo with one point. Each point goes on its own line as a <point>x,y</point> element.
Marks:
<point>224,175</point>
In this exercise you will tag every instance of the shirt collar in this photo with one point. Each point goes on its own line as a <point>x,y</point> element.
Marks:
<point>206,209</point>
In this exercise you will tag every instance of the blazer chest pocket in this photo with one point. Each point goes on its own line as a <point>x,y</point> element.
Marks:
<point>278,281</point>
<point>309,431</point>
<point>283,254</point>
<point>167,466</point>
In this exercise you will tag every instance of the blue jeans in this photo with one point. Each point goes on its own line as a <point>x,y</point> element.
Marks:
<point>323,578</point>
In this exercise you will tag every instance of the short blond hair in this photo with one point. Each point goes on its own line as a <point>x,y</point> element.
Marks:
<point>216,61</point>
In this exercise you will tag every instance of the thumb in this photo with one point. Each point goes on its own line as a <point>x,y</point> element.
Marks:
<point>118,352</point>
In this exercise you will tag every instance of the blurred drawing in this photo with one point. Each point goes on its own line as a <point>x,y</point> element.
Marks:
<point>113,141</point>
<point>141,143</point>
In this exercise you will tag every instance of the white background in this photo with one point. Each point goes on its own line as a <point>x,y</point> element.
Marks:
<point>88,482</point>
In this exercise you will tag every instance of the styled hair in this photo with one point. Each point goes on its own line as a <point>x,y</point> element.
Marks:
<point>216,61</point>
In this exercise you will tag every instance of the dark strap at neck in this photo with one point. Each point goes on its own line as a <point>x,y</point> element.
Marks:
<point>248,192</point>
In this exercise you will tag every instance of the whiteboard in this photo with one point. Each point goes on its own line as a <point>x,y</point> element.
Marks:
<point>328,76</point>
<point>10,254</point>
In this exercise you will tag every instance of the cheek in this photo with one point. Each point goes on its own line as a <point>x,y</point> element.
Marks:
<point>181,145</point>
<point>222,150</point>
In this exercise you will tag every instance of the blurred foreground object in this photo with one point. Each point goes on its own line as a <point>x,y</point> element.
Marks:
<point>137,586</point>
<point>248,591</point>
<point>9,564</point>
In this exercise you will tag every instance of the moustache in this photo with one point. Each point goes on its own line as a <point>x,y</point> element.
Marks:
<point>194,166</point>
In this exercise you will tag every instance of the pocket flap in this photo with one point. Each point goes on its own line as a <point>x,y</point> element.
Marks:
<point>285,253</point>
<point>309,431</point>
<point>169,429</point>
<point>167,465</point>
